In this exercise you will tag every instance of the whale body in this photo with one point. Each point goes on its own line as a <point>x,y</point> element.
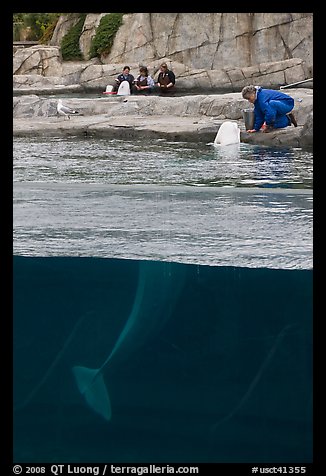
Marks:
<point>124,89</point>
<point>228,133</point>
<point>157,291</point>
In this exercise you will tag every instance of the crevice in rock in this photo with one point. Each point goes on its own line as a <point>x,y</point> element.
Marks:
<point>176,20</point>
<point>287,51</point>
<point>150,22</point>
<point>218,42</point>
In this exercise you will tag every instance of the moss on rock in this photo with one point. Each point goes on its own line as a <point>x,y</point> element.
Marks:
<point>105,33</point>
<point>70,42</point>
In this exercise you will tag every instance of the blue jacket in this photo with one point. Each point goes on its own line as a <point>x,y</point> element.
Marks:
<point>264,111</point>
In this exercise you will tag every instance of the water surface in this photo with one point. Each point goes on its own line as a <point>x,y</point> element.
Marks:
<point>221,369</point>
<point>187,202</point>
<point>160,162</point>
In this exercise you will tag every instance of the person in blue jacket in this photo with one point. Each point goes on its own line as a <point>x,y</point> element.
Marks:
<point>272,108</point>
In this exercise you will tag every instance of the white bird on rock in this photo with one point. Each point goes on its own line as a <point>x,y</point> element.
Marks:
<point>65,110</point>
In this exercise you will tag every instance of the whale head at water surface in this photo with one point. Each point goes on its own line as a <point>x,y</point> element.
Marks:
<point>124,89</point>
<point>228,133</point>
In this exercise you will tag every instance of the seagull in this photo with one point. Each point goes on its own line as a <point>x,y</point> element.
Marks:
<point>65,110</point>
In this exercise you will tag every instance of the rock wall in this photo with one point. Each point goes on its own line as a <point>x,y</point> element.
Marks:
<point>207,41</point>
<point>214,40</point>
<point>207,51</point>
<point>41,68</point>
<point>193,118</point>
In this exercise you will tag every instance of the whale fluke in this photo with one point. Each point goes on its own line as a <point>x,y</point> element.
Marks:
<point>91,385</point>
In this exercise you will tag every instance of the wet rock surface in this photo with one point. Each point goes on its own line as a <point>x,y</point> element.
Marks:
<point>188,118</point>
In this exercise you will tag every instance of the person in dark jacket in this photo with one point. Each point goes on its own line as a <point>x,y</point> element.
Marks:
<point>166,79</point>
<point>272,108</point>
<point>144,83</point>
<point>124,76</point>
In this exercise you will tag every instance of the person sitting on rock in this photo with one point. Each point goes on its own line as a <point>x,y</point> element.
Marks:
<point>166,79</point>
<point>124,76</point>
<point>272,108</point>
<point>144,83</point>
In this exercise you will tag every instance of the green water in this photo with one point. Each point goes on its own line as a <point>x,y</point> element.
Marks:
<point>211,364</point>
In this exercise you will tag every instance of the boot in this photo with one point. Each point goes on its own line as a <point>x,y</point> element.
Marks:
<point>292,119</point>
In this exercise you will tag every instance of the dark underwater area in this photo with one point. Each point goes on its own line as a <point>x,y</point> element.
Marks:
<point>208,364</point>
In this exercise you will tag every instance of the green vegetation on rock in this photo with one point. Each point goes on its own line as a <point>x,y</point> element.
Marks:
<point>33,25</point>
<point>48,32</point>
<point>70,49</point>
<point>105,33</point>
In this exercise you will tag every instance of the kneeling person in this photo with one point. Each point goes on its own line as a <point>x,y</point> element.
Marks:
<point>272,108</point>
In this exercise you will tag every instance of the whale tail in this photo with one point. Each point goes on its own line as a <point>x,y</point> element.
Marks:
<point>91,385</point>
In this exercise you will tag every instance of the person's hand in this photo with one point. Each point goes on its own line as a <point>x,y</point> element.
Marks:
<point>268,129</point>
<point>251,130</point>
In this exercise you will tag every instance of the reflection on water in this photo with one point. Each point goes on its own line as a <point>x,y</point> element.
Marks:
<point>206,225</point>
<point>159,162</point>
<point>212,367</point>
<point>236,205</point>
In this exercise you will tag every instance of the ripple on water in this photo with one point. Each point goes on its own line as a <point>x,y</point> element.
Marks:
<point>183,201</point>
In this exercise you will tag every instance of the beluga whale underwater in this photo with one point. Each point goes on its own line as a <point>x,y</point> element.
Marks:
<point>228,134</point>
<point>159,285</point>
